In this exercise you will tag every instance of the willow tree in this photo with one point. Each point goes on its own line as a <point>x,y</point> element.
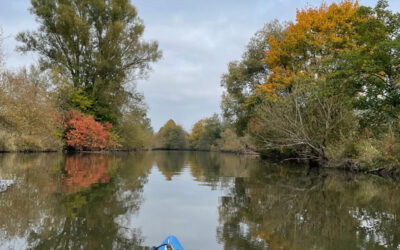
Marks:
<point>96,46</point>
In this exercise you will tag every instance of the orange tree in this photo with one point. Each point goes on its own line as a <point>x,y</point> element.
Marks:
<point>302,110</point>
<point>335,64</point>
<point>318,35</point>
<point>352,49</point>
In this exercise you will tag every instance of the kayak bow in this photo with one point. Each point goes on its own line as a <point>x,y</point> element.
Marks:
<point>170,243</point>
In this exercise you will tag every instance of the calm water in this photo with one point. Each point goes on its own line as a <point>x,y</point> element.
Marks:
<point>208,200</point>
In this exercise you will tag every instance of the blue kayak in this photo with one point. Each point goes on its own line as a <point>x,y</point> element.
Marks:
<point>170,241</point>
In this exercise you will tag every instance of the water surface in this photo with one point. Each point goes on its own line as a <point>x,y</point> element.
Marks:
<point>208,200</point>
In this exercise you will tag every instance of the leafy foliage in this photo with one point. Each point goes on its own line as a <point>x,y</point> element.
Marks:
<point>318,35</point>
<point>90,54</point>
<point>84,133</point>
<point>96,46</point>
<point>212,134</point>
<point>171,136</point>
<point>242,77</point>
<point>230,142</point>
<point>370,71</point>
<point>28,119</point>
<point>197,132</point>
<point>135,130</point>
<point>330,80</point>
<point>205,133</point>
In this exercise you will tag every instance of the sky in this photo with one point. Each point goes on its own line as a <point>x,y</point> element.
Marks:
<point>198,40</point>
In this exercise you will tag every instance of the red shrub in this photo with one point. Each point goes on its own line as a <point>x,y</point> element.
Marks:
<point>84,133</point>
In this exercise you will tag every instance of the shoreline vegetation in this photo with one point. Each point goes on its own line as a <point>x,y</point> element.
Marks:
<point>324,89</point>
<point>393,173</point>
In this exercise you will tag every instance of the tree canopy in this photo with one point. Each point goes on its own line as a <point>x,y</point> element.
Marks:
<point>329,78</point>
<point>242,77</point>
<point>96,45</point>
<point>171,136</point>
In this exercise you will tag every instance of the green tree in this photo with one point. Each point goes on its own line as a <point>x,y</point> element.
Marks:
<point>240,81</point>
<point>196,133</point>
<point>171,136</point>
<point>135,130</point>
<point>370,73</point>
<point>96,46</point>
<point>213,129</point>
<point>205,133</point>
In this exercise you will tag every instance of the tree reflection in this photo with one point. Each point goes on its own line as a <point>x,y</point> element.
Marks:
<point>72,202</point>
<point>89,201</point>
<point>81,171</point>
<point>282,208</point>
<point>170,163</point>
<point>208,168</point>
<point>22,206</point>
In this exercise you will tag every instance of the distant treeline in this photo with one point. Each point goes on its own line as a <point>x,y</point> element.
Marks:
<point>209,134</point>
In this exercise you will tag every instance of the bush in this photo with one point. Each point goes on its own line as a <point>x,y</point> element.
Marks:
<point>84,133</point>
<point>366,151</point>
<point>230,142</point>
<point>305,121</point>
<point>28,119</point>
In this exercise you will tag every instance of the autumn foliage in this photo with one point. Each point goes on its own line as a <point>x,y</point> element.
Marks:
<point>83,171</point>
<point>317,35</point>
<point>84,133</point>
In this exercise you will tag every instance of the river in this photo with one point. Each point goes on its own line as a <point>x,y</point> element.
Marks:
<point>207,200</point>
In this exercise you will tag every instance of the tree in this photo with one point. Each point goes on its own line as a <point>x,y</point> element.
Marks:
<point>171,136</point>
<point>212,132</point>
<point>240,81</point>
<point>135,130</point>
<point>197,132</point>
<point>370,72</point>
<point>308,46</point>
<point>306,122</point>
<point>330,75</point>
<point>205,133</point>
<point>96,46</point>
<point>352,48</point>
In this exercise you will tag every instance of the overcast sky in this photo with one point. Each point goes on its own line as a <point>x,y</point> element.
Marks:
<point>198,39</point>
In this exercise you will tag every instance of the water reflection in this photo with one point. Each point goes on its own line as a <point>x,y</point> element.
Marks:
<point>69,202</point>
<point>170,163</point>
<point>278,209</point>
<point>95,201</point>
<point>81,171</point>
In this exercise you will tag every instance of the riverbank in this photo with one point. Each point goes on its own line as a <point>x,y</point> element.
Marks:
<point>384,171</point>
<point>392,172</point>
<point>237,152</point>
